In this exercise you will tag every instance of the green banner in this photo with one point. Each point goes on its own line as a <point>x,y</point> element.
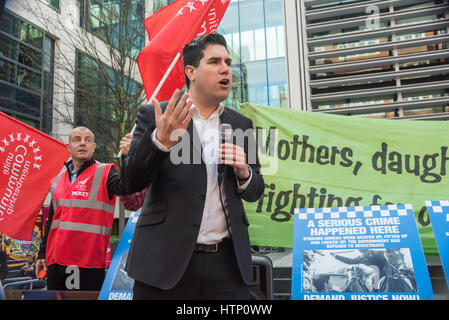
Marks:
<point>319,160</point>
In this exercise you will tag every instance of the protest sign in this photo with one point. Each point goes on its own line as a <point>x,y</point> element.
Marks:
<point>439,215</point>
<point>117,285</point>
<point>314,160</point>
<point>358,253</point>
<point>18,250</point>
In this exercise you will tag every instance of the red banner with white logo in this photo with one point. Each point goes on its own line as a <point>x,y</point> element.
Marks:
<point>169,30</point>
<point>29,159</point>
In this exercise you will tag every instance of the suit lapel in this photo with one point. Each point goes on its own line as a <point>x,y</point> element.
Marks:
<point>197,165</point>
<point>225,117</point>
<point>195,144</point>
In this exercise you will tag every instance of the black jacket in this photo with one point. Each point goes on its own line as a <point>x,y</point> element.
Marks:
<point>167,229</point>
<point>3,265</point>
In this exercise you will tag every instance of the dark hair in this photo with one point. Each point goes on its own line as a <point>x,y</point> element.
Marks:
<point>193,52</point>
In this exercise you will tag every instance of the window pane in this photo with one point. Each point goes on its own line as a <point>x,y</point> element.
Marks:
<point>26,70</point>
<point>6,97</point>
<point>159,4</point>
<point>7,71</point>
<point>19,100</point>
<point>238,80</point>
<point>252,30</point>
<point>9,24</point>
<point>275,29</point>
<point>257,82</point>
<point>52,3</point>
<point>30,57</point>
<point>276,79</point>
<point>28,79</point>
<point>30,122</point>
<point>31,35</point>
<point>8,47</point>
<point>229,28</point>
<point>107,20</point>
<point>28,103</point>
<point>47,54</point>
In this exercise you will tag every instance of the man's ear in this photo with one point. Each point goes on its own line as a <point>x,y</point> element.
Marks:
<point>190,72</point>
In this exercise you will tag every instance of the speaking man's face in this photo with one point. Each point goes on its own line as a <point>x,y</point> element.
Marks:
<point>81,144</point>
<point>213,76</point>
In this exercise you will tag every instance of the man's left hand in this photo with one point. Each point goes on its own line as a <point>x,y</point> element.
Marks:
<point>234,156</point>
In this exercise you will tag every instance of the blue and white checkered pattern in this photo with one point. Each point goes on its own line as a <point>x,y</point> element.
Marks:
<point>134,216</point>
<point>441,206</point>
<point>392,210</point>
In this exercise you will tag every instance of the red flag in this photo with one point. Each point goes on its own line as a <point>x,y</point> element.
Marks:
<point>169,30</point>
<point>29,159</point>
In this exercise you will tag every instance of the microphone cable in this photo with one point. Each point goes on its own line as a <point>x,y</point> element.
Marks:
<point>219,181</point>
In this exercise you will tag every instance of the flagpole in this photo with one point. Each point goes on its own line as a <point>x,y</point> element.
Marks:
<point>159,86</point>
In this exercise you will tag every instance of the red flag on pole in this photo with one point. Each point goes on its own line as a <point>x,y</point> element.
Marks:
<point>29,159</point>
<point>169,30</point>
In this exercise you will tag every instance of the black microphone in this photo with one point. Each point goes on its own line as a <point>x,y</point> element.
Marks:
<point>225,137</point>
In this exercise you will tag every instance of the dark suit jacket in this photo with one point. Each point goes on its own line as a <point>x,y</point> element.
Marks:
<point>167,229</point>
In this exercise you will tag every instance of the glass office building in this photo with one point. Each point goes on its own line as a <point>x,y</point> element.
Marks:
<point>254,32</point>
<point>115,22</point>
<point>26,72</point>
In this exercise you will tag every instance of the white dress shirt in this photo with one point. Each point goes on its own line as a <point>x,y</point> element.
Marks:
<point>213,224</point>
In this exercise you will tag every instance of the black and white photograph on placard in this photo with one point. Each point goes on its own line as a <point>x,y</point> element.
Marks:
<point>367,270</point>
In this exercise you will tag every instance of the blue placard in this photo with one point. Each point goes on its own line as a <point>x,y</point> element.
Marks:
<point>358,253</point>
<point>439,217</point>
<point>117,285</point>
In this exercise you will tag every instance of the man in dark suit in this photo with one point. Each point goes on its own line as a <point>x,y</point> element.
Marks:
<point>191,240</point>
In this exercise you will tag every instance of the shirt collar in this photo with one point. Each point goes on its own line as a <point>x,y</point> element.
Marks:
<point>85,165</point>
<point>218,111</point>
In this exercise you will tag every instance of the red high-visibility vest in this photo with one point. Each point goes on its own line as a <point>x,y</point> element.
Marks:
<point>82,219</point>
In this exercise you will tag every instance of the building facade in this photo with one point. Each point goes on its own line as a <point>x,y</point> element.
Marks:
<point>352,57</point>
<point>370,58</point>
<point>385,59</point>
<point>61,63</point>
<point>26,71</point>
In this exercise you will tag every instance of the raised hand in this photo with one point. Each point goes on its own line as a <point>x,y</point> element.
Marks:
<point>173,122</point>
<point>125,143</point>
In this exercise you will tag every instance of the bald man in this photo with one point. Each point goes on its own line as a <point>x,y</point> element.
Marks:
<point>73,251</point>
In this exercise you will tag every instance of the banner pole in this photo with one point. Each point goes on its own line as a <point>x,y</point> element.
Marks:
<point>159,86</point>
